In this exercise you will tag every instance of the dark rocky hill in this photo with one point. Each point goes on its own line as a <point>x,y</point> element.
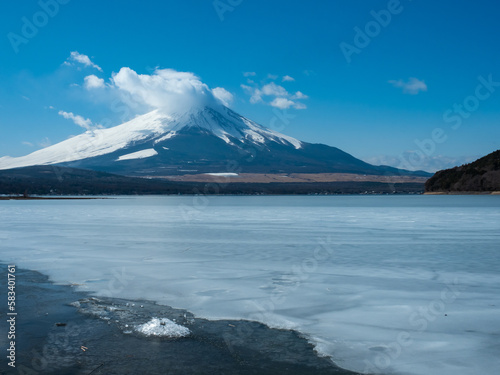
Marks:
<point>483,175</point>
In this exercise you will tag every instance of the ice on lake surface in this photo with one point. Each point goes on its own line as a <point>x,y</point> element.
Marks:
<point>382,284</point>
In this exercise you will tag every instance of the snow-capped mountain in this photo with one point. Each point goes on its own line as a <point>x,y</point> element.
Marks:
<point>202,140</point>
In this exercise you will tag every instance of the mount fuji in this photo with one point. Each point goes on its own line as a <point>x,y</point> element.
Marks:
<point>204,139</point>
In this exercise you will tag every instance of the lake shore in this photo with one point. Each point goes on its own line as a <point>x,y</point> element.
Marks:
<point>22,198</point>
<point>60,330</point>
<point>462,193</point>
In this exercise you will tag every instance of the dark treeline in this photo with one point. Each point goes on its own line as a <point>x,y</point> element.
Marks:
<point>483,175</point>
<point>48,180</point>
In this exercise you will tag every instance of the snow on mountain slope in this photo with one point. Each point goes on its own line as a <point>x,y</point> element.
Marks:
<point>93,143</point>
<point>153,126</point>
<point>139,154</point>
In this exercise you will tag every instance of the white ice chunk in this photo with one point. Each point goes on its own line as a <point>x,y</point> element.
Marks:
<point>162,327</point>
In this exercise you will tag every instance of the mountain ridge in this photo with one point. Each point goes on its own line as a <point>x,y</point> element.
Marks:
<point>202,140</point>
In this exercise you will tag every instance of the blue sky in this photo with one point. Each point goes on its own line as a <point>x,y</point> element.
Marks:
<point>406,83</point>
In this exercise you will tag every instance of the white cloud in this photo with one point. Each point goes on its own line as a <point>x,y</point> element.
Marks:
<point>223,95</point>
<point>168,90</point>
<point>249,74</point>
<point>82,59</point>
<point>255,93</point>
<point>272,89</point>
<point>78,120</point>
<point>165,89</point>
<point>277,96</point>
<point>93,82</point>
<point>272,76</point>
<point>26,143</point>
<point>299,95</point>
<point>288,79</point>
<point>282,103</point>
<point>413,86</point>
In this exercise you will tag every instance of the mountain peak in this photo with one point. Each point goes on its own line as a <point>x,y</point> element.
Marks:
<point>229,126</point>
<point>155,126</point>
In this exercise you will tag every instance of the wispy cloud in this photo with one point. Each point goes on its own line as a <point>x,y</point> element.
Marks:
<point>82,59</point>
<point>223,95</point>
<point>255,93</point>
<point>249,74</point>
<point>287,78</point>
<point>78,120</point>
<point>272,89</point>
<point>45,142</point>
<point>275,95</point>
<point>284,103</point>
<point>413,86</point>
<point>299,95</point>
<point>26,143</point>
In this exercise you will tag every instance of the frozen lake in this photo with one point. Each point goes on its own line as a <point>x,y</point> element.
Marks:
<point>382,284</point>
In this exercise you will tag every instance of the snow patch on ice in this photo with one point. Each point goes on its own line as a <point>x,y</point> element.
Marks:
<point>163,327</point>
